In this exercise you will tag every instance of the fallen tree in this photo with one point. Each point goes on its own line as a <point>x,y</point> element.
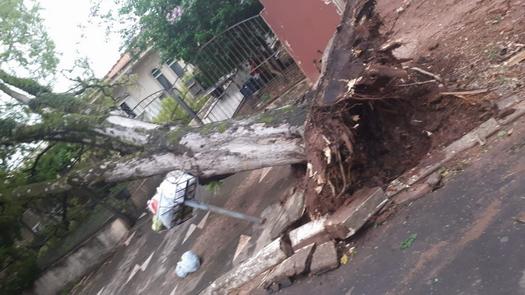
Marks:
<point>341,123</point>
<point>269,139</point>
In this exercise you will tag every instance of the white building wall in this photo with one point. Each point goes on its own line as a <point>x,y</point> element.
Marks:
<point>145,92</point>
<point>144,96</point>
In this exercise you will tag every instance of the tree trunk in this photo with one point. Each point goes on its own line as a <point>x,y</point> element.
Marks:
<point>268,139</point>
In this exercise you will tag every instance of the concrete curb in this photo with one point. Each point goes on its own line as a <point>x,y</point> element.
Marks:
<point>266,258</point>
<point>477,136</point>
<point>346,221</point>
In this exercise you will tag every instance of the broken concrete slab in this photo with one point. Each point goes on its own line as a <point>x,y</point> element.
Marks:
<point>434,179</point>
<point>346,221</point>
<point>261,261</point>
<point>241,252</point>
<point>520,111</point>
<point>478,135</point>
<point>508,102</point>
<point>254,286</point>
<point>294,265</point>
<point>411,194</point>
<point>521,217</point>
<point>324,258</point>
<point>313,231</point>
<point>279,217</point>
<point>418,190</point>
<point>291,211</point>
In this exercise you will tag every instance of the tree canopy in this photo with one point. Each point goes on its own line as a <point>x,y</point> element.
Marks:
<point>24,42</point>
<point>177,28</point>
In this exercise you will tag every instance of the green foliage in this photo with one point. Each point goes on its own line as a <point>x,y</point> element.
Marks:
<point>26,49</point>
<point>178,28</point>
<point>408,242</point>
<point>17,262</point>
<point>9,226</point>
<point>214,186</point>
<point>6,127</point>
<point>28,85</point>
<point>87,224</point>
<point>19,273</point>
<point>55,162</point>
<point>61,102</point>
<point>24,42</point>
<point>171,112</point>
<point>179,34</point>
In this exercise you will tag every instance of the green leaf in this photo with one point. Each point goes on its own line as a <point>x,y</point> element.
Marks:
<point>408,242</point>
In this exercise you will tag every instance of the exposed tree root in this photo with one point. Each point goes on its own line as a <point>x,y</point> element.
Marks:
<point>363,128</point>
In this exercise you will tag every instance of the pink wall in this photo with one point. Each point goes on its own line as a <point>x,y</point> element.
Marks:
<point>304,27</point>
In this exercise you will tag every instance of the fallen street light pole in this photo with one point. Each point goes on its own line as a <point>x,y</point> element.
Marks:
<point>177,192</point>
<point>222,211</point>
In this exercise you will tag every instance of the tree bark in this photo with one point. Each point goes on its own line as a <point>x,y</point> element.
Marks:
<point>269,139</point>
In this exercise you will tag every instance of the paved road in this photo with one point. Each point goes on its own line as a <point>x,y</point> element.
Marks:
<point>468,240</point>
<point>147,264</point>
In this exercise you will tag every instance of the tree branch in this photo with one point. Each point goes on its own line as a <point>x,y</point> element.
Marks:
<point>32,170</point>
<point>113,133</point>
<point>24,99</point>
<point>28,85</point>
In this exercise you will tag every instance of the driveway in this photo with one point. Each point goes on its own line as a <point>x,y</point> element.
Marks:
<point>145,262</point>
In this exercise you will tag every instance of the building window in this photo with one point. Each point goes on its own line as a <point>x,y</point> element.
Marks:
<point>125,107</point>
<point>176,68</point>
<point>157,74</point>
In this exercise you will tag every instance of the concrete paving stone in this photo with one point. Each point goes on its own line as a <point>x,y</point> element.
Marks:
<point>241,252</point>
<point>269,214</point>
<point>291,211</point>
<point>254,286</point>
<point>469,227</point>
<point>349,219</point>
<point>324,258</point>
<point>434,179</point>
<point>417,190</point>
<point>521,217</point>
<point>190,231</point>
<point>413,193</point>
<point>292,266</point>
<point>520,111</point>
<point>266,258</point>
<point>481,133</point>
<point>279,217</point>
<point>508,101</point>
<point>307,233</point>
<point>203,221</point>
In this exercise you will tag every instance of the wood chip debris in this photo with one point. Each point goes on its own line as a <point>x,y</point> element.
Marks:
<point>328,154</point>
<point>516,59</point>
<point>424,72</point>
<point>462,94</point>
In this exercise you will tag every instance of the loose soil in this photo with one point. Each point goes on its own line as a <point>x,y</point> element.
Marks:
<point>395,117</point>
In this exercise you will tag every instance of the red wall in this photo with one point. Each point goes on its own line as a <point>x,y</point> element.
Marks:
<point>304,27</point>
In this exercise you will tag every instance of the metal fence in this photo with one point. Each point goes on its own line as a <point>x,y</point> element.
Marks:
<point>244,62</point>
<point>340,5</point>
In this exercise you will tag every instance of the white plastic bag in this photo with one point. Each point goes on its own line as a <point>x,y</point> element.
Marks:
<point>189,262</point>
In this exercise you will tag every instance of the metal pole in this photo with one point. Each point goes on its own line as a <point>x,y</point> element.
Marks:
<point>219,210</point>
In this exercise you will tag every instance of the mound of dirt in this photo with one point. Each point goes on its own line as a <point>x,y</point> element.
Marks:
<point>373,117</point>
